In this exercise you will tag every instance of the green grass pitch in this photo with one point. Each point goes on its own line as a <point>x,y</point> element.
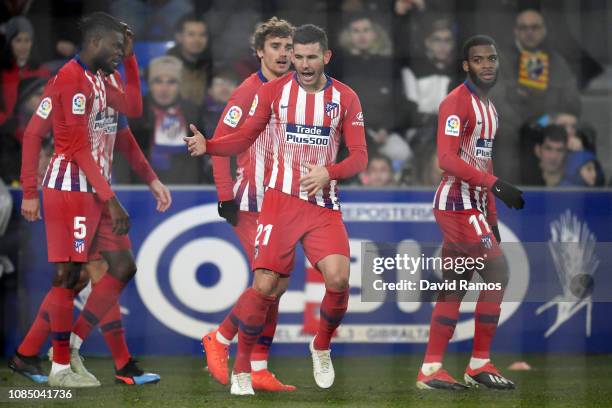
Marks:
<point>556,380</point>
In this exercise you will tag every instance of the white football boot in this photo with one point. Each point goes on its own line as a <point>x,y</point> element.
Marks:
<point>241,384</point>
<point>322,367</point>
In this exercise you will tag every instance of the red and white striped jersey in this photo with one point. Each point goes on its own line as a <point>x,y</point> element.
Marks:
<point>83,119</point>
<point>466,132</point>
<point>248,189</point>
<point>304,129</point>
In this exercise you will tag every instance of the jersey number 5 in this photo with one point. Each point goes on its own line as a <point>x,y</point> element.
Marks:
<point>474,221</point>
<point>80,229</point>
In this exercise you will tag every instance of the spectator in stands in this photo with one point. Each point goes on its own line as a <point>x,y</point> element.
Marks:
<point>379,172</point>
<point>164,123</point>
<point>28,99</point>
<point>407,15</point>
<point>231,23</point>
<point>428,172</point>
<point>16,63</point>
<point>221,88</point>
<point>581,136</point>
<point>583,170</point>
<point>534,79</point>
<point>151,20</point>
<point>193,49</point>
<point>364,62</point>
<point>433,74</point>
<point>551,153</point>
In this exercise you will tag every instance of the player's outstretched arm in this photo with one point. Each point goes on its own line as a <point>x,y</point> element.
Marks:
<point>240,140</point>
<point>233,117</point>
<point>196,144</point>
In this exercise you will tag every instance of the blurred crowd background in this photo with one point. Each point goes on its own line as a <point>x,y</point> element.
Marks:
<point>402,57</point>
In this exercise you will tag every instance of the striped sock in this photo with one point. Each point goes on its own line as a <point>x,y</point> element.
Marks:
<point>441,329</point>
<point>103,296</point>
<point>60,315</point>
<point>251,310</point>
<point>114,336</point>
<point>261,349</point>
<point>333,309</point>
<point>39,331</point>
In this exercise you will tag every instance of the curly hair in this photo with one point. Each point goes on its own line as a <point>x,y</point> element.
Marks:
<point>273,27</point>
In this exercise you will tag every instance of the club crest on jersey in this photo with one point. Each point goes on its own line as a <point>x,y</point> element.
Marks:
<point>486,242</point>
<point>79,245</point>
<point>232,117</point>
<point>484,148</point>
<point>332,109</point>
<point>307,135</point>
<point>254,105</point>
<point>78,104</point>
<point>453,126</point>
<point>44,108</point>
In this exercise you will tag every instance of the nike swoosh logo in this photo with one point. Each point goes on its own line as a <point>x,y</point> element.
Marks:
<point>479,123</point>
<point>497,189</point>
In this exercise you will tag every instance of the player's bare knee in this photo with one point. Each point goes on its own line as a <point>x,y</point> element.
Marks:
<point>67,275</point>
<point>337,282</point>
<point>83,280</point>
<point>127,270</point>
<point>281,288</point>
<point>96,269</point>
<point>266,282</point>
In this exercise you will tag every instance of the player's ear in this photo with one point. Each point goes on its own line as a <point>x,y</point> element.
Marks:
<point>466,67</point>
<point>327,56</point>
<point>537,150</point>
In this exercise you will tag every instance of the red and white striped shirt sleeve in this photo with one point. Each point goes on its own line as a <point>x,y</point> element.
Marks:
<point>353,132</point>
<point>240,140</point>
<point>453,108</point>
<point>240,101</point>
<point>38,127</point>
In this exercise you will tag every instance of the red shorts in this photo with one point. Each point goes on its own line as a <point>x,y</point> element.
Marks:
<point>245,229</point>
<point>284,221</point>
<point>467,232</point>
<point>78,227</point>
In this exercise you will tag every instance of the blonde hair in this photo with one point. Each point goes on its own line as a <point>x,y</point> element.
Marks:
<point>381,46</point>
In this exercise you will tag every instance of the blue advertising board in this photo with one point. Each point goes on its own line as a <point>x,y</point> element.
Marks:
<point>191,269</point>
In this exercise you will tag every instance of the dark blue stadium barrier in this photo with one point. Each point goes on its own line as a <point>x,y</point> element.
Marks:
<point>191,270</point>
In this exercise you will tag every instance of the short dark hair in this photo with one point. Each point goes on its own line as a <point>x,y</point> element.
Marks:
<point>476,41</point>
<point>554,133</point>
<point>309,34</point>
<point>98,22</point>
<point>378,156</point>
<point>188,18</point>
<point>274,27</point>
<point>357,16</point>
